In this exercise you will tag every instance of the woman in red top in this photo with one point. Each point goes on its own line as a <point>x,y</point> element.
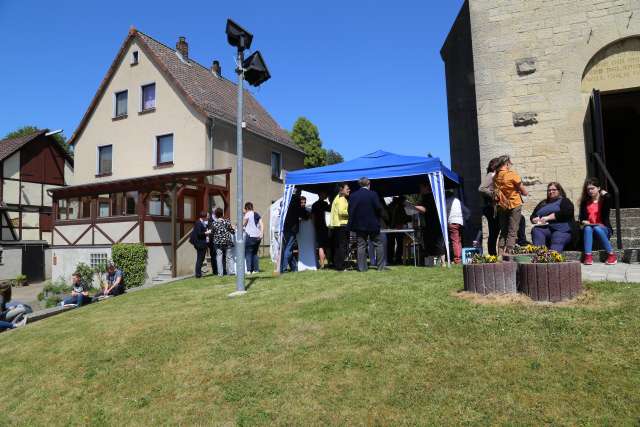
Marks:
<point>595,207</point>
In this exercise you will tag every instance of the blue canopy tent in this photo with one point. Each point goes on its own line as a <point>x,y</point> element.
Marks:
<point>390,175</point>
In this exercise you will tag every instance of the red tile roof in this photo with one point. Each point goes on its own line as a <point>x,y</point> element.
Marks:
<point>208,94</point>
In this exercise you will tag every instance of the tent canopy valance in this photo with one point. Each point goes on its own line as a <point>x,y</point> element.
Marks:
<point>391,174</point>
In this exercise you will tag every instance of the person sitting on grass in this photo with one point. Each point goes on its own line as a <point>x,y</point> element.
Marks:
<point>5,297</point>
<point>79,294</point>
<point>114,285</point>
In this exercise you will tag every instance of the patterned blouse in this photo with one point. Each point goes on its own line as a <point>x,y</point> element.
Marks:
<point>222,232</point>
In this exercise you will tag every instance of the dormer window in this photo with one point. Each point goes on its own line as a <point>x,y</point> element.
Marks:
<point>120,104</point>
<point>148,98</point>
<point>134,57</point>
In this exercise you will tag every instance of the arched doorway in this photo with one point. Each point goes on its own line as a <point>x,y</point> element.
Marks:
<point>613,130</point>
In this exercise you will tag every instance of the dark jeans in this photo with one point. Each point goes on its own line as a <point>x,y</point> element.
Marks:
<point>6,325</point>
<point>376,239</point>
<point>213,254</point>
<point>200,254</point>
<point>522,233</point>
<point>554,240</point>
<point>78,300</point>
<point>288,240</point>
<point>341,242</point>
<point>509,220</point>
<point>251,247</point>
<point>494,229</point>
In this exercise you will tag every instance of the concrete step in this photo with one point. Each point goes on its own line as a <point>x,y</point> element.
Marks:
<point>632,256</point>
<point>627,213</point>
<point>598,256</point>
<point>632,222</point>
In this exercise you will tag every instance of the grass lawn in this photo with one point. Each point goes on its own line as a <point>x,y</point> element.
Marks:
<point>321,348</point>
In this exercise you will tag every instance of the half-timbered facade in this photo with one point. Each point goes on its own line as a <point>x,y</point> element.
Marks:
<point>156,210</point>
<point>31,165</point>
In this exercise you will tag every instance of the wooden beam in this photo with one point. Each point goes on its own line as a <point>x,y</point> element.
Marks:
<point>127,233</point>
<point>174,243</point>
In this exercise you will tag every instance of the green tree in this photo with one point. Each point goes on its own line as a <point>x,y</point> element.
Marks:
<point>306,136</point>
<point>26,130</point>
<point>334,157</point>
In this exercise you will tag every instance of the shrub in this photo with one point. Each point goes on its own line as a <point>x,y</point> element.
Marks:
<point>131,258</point>
<point>20,280</point>
<point>54,292</point>
<point>86,273</point>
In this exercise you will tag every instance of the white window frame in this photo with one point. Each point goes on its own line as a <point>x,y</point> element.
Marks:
<point>115,101</point>
<point>98,159</point>
<point>140,100</point>
<point>135,57</point>
<point>279,166</point>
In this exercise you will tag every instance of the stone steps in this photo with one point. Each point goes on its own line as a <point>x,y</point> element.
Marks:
<point>628,256</point>
<point>163,275</point>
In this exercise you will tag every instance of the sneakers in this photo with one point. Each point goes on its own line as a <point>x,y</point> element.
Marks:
<point>588,259</point>
<point>612,259</point>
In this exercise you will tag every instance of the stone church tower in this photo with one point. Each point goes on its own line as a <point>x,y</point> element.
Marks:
<point>521,77</point>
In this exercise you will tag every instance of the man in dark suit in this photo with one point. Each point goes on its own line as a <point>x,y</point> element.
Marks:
<point>199,241</point>
<point>365,211</point>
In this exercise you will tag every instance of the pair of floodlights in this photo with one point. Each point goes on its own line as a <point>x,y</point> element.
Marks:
<point>255,70</point>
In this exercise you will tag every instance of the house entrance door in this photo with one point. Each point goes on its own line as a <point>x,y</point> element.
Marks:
<point>33,262</point>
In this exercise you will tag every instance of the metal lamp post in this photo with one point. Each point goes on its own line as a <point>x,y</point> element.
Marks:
<point>255,72</point>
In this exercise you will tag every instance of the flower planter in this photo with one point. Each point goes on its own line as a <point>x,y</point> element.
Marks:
<point>520,258</point>
<point>491,278</point>
<point>553,282</point>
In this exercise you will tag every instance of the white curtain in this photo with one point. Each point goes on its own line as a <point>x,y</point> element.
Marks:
<point>436,180</point>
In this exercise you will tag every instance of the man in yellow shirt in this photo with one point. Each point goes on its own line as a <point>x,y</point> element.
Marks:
<point>338,225</point>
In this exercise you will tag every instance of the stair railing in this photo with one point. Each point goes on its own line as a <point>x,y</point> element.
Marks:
<point>616,196</point>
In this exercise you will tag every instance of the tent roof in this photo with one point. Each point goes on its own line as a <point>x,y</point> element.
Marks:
<point>375,166</point>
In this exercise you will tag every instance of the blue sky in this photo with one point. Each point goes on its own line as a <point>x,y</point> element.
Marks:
<point>367,73</point>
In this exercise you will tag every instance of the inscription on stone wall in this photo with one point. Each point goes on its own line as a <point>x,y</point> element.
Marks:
<point>615,67</point>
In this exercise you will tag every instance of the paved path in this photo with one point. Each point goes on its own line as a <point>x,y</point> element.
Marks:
<point>624,273</point>
<point>28,294</point>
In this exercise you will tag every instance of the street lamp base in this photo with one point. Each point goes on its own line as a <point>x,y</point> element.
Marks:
<point>237,294</point>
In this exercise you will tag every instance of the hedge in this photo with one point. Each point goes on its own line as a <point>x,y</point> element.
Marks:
<point>131,258</point>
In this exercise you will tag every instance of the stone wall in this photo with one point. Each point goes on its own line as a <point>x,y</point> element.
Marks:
<point>457,55</point>
<point>529,60</point>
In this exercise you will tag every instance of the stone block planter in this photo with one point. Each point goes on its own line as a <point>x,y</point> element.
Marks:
<point>486,279</point>
<point>550,282</point>
<point>520,258</point>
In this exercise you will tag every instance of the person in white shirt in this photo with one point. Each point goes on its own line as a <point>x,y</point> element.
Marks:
<point>455,220</point>
<point>254,228</point>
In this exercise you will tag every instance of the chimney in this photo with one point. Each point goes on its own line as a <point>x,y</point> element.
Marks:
<point>216,69</point>
<point>183,48</point>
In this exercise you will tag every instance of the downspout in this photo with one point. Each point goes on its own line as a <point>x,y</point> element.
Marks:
<point>210,141</point>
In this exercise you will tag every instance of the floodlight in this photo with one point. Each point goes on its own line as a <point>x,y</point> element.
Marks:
<point>238,36</point>
<point>255,70</point>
